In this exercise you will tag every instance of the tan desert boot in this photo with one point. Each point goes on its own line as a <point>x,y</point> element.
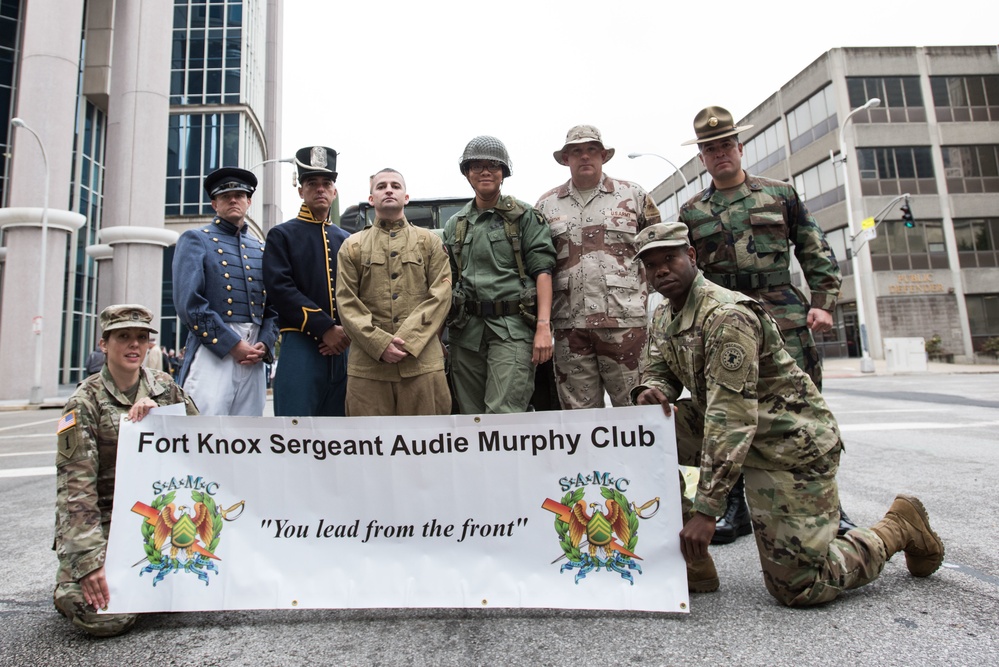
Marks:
<point>906,527</point>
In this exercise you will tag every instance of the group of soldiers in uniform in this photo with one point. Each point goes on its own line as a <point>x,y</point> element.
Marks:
<point>515,285</point>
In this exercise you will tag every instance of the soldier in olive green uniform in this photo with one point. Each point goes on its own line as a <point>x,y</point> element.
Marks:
<point>501,263</point>
<point>752,410</point>
<point>743,228</point>
<point>85,463</point>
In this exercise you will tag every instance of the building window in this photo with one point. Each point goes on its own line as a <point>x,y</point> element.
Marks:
<point>901,99</point>
<point>900,248</point>
<point>971,169</point>
<point>813,118</point>
<point>766,149</point>
<point>10,30</point>
<point>894,171</point>
<point>821,186</point>
<point>207,52</point>
<point>977,242</point>
<point>198,144</point>
<point>983,318</point>
<point>965,98</point>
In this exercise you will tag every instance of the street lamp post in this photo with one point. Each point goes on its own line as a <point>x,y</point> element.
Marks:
<point>866,363</point>
<point>667,161</point>
<point>37,323</point>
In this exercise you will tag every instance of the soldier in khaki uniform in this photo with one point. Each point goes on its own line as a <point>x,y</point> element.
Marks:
<point>752,410</point>
<point>744,229</point>
<point>85,463</point>
<point>393,287</point>
<point>598,297</point>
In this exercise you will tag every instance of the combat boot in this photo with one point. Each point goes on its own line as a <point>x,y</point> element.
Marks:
<point>906,527</point>
<point>702,577</point>
<point>735,522</point>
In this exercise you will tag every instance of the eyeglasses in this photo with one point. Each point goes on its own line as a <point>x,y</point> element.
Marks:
<point>479,167</point>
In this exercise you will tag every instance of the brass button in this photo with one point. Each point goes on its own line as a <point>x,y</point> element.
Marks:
<point>204,335</point>
<point>214,341</point>
<point>229,313</point>
<point>220,251</point>
<point>228,288</point>
<point>229,300</point>
<point>225,263</point>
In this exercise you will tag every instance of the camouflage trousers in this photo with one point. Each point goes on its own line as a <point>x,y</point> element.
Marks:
<point>795,516</point>
<point>799,344</point>
<point>591,361</point>
<point>68,599</point>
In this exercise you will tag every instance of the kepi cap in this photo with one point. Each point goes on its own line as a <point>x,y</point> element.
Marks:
<point>127,316</point>
<point>712,123</point>
<point>316,161</point>
<point>228,179</point>
<point>663,235</point>
<point>582,134</point>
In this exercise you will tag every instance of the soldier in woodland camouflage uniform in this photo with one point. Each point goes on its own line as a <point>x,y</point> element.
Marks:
<point>753,410</point>
<point>85,463</point>
<point>742,227</point>
<point>598,307</point>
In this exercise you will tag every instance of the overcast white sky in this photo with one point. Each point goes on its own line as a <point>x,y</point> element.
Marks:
<point>407,84</point>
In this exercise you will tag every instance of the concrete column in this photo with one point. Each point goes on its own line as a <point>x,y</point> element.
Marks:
<point>272,182</point>
<point>47,102</point>
<point>138,118</point>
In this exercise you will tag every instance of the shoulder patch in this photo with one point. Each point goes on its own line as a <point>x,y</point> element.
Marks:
<point>67,422</point>
<point>733,356</point>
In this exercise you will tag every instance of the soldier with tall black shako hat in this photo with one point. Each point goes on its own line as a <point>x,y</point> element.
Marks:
<point>300,270</point>
<point>219,293</point>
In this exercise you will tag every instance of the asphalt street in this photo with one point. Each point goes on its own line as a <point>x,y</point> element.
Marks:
<point>936,436</point>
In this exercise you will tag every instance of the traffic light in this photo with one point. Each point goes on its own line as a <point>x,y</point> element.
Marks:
<point>907,218</point>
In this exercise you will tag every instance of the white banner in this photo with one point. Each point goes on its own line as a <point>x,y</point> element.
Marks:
<point>575,510</point>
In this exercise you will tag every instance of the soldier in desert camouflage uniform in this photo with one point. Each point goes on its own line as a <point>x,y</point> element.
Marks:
<point>85,463</point>
<point>752,410</point>
<point>598,303</point>
<point>743,227</point>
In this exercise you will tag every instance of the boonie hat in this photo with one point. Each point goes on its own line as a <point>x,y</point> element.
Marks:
<point>712,123</point>
<point>582,134</point>
<point>316,161</point>
<point>127,316</point>
<point>662,235</point>
<point>228,179</point>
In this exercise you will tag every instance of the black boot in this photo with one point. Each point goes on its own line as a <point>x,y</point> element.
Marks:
<point>845,524</point>
<point>735,522</point>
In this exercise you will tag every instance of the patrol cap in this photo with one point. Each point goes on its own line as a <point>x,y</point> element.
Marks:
<point>127,316</point>
<point>582,134</point>
<point>316,161</point>
<point>663,235</point>
<point>228,179</point>
<point>712,123</point>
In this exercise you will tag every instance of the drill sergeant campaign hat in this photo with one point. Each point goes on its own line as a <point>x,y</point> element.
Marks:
<point>127,316</point>
<point>582,134</point>
<point>712,123</point>
<point>228,179</point>
<point>316,161</point>
<point>662,235</point>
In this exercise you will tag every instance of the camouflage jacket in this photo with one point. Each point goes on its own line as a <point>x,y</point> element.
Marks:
<point>759,409</point>
<point>598,283</point>
<point>749,231</point>
<point>488,270</point>
<point>85,462</point>
<point>393,279</point>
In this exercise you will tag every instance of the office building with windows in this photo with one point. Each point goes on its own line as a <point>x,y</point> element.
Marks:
<point>122,109</point>
<point>935,137</point>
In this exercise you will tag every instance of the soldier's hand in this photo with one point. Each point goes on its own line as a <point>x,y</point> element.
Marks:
<point>542,344</point>
<point>247,354</point>
<point>655,396</point>
<point>696,536</point>
<point>335,341</point>
<point>395,353</point>
<point>140,409</point>
<point>95,589</point>
<point>819,320</point>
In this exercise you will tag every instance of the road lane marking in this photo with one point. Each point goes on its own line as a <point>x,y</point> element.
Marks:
<point>46,421</point>
<point>911,426</point>
<point>28,472</point>
<point>24,437</point>
<point>47,451</point>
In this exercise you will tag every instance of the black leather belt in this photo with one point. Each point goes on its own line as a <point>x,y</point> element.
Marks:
<point>744,281</point>
<point>493,308</point>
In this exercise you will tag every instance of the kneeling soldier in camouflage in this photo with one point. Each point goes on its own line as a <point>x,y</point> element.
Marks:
<point>753,411</point>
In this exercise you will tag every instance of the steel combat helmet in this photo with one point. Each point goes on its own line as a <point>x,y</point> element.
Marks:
<point>485,147</point>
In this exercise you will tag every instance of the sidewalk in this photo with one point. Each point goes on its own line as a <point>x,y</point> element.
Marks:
<point>848,368</point>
